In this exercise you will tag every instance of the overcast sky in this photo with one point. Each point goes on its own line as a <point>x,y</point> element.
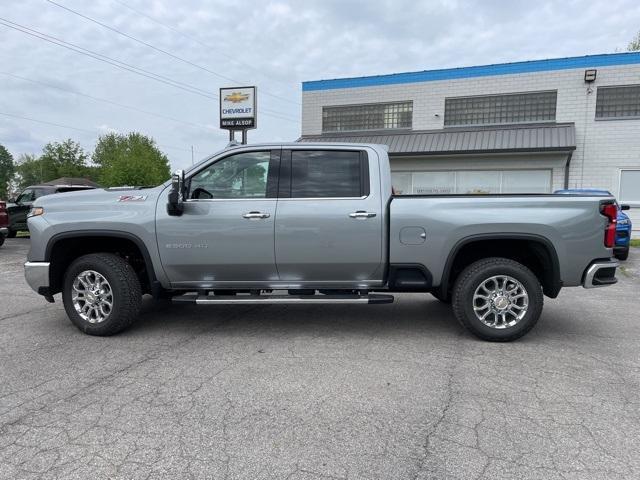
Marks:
<point>274,45</point>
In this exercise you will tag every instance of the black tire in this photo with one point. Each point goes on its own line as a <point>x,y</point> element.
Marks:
<point>12,233</point>
<point>476,273</point>
<point>437,296</point>
<point>125,287</point>
<point>622,255</point>
<point>1,239</point>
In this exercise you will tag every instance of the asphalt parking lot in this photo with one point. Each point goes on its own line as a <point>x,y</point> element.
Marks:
<point>360,392</point>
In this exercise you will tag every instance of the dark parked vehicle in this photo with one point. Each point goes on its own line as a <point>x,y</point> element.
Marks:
<point>4,222</point>
<point>19,208</point>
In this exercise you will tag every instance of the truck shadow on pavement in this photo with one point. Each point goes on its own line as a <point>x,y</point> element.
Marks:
<point>414,314</point>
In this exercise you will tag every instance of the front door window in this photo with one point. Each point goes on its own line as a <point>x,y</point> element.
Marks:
<point>27,196</point>
<point>239,176</point>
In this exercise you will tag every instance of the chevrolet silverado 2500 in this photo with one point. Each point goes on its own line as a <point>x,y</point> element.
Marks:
<point>314,223</point>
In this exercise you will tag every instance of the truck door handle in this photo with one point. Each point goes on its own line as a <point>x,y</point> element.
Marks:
<point>362,214</point>
<point>251,215</point>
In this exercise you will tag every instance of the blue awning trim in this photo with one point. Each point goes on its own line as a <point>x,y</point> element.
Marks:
<point>588,61</point>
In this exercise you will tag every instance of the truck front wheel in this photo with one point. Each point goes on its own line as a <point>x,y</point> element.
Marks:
<point>497,299</point>
<point>101,294</point>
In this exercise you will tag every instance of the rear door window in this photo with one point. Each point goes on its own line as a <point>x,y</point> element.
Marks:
<point>68,189</point>
<point>41,192</point>
<point>328,174</point>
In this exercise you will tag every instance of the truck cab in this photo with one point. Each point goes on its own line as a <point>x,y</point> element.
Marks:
<point>278,218</point>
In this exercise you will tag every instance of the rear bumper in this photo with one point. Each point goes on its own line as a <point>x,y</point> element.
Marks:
<point>601,273</point>
<point>37,276</point>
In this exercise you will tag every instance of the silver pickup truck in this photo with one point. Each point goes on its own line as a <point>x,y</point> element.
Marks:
<point>314,223</point>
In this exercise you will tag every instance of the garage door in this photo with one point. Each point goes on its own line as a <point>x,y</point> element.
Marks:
<point>472,181</point>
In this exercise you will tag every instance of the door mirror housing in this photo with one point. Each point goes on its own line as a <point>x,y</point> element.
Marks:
<point>625,207</point>
<point>176,194</point>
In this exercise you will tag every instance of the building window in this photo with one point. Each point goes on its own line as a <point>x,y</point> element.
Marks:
<point>433,183</point>
<point>618,102</point>
<point>630,187</point>
<point>496,109</point>
<point>374,116</point>
<point>471,182</point>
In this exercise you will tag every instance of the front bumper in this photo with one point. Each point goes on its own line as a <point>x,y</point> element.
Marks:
<point>4,231</point>
<point>37,275</point>
<point>601,273</point>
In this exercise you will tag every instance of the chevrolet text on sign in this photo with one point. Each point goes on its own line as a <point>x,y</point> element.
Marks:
<point>238,108</point>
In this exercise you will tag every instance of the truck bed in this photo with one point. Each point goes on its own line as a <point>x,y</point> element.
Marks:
<point>571,225</point>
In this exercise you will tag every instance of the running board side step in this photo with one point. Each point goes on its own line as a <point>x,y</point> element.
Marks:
<point>282,299</point>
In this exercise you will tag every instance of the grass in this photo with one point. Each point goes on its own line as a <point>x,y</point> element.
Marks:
<point>635,242</point>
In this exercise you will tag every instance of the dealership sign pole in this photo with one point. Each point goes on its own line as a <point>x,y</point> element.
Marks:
<point>238,110</point>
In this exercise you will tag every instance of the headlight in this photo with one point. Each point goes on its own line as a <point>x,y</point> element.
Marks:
<point>623,222</point>
<point>35,211</point>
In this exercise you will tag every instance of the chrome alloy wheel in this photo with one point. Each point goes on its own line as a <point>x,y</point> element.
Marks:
<point>500,301</point>
<point>92,296</point>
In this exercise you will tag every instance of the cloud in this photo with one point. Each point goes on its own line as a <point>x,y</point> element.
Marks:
<point>275,45</point>
<point>105,129</point>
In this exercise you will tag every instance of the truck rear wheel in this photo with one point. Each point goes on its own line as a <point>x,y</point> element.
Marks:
<point>497,299</point>
<point>101,294</point>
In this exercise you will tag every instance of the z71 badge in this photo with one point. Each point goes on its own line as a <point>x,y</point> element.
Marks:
<point>132,198</point>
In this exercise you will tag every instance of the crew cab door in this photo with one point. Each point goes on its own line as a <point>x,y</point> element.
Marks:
<point>329,223</point>
<point>18,212</point>
<point>224,237</point>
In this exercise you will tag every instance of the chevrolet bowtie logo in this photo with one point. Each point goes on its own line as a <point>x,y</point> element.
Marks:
<point>236,97</point>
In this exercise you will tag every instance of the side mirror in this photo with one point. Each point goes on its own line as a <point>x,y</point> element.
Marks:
<point>176,194</point>
<point>625,207</point>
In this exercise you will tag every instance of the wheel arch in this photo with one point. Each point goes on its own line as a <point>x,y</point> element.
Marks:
<point>128,245</point>
<point>539,254</point>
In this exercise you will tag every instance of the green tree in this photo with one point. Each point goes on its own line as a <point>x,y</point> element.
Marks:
<point>131,159</point>
<point>66,159</point>
<point>29,171</point>
<point>7,169</point>
<point>634,45</point>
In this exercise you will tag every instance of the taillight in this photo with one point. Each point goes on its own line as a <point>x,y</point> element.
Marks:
<point>610,210</point>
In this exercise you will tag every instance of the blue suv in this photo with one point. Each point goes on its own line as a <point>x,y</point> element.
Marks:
<point>623,227</point>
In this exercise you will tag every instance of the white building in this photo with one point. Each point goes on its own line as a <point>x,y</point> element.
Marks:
<point>533,126</point>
